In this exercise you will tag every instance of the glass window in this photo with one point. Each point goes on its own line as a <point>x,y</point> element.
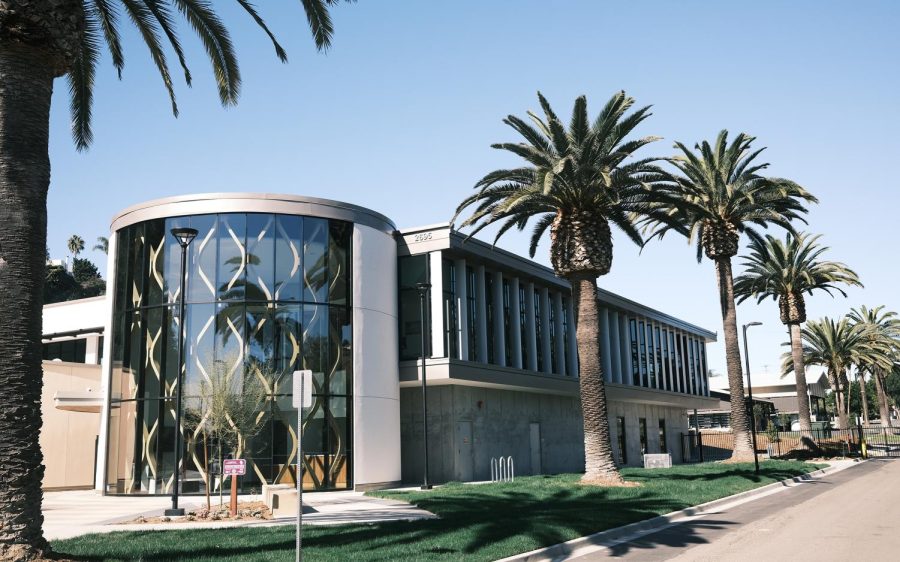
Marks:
<point>451,319</point>
<point>507,323</point>
<point>554,364</point>
<point>620,433</point>
<point>663,445</point>
<point>642,423</point>
<point>489,309</point>
<point>691,369</point>
<point>245,327</point>
<point>635,359</point>
<point>660,366</point>
<point>642,333</point>
<point>287,278</point>
<point>682,364</point>
<point>472,313</point>
<point>565,336</point>
<point>651,358</point>
<point>704,369</point>
<point>667,368</point>
<point>260,283</point>
<point>412,270</point>
<point>523,326</point>
<point>315,247</point>
<point>673,363</point>
<point>538,329</point>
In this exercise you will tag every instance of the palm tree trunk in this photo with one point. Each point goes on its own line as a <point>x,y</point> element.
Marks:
<point>599,464</point>
<point>800,376</point>
<point>26,84</point>
<point>864,403</point>
<point>884,411</point>
<point>740,420</point>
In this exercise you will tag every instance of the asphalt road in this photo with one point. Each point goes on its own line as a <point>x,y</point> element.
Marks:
<point>850,515</point>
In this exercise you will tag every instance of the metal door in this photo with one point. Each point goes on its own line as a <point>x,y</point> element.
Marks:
<point>464,459</point>
<point>535,448</point>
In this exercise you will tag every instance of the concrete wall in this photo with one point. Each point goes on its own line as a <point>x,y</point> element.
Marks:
<point>543,433</point>
<point>376,380</point>
<point>67,438</point>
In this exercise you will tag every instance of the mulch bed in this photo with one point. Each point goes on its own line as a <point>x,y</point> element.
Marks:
<point>246,511</point>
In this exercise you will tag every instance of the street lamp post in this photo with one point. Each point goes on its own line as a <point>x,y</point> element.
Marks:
<point>423,289</point>
<point>185,236</point>
<point>750,394</point>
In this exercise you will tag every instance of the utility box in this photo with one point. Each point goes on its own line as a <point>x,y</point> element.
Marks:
<point>658,461</point>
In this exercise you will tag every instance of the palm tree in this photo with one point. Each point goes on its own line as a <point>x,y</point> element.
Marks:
<point>837,346</point>
<point>719,194</point>
<point>577,183</point>
<point>883,327</point>
<point>102,244</point>
<point>75,245</point>
<point>43,40</point>
<point>784,271</point>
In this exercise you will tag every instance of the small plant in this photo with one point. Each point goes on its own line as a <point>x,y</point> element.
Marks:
<point>772,432</point>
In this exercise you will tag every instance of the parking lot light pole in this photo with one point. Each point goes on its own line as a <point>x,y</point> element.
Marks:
<point>185,236</point>
<point>750,394</point>
<point>423,289</point>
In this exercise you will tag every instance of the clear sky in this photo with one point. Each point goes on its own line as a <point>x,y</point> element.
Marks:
<point>400,114</point>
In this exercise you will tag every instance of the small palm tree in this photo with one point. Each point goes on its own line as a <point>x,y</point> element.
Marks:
<point>837,346</point>
<point>102,244</point>
<point>717,194</point>
<point>884,328</point>
<point>785,271</point>
<point>577,183</point>
<point>75,245</point>
<point>42,40</point>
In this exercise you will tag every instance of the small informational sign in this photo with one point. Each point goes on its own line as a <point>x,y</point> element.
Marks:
<point>658,461</point>
<point>234,467</point>
<point>303,387</point>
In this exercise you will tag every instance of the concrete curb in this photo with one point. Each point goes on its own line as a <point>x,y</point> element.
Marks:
<point>603,539</point>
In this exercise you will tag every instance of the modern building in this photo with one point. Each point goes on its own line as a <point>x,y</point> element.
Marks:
<point>719,418</point>
<point>277,283</point>
<point>782,392</point>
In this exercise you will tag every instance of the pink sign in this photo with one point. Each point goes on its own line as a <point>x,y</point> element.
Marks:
<point>234,467</point>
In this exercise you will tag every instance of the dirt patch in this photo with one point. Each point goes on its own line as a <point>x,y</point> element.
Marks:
<point>246,511</point>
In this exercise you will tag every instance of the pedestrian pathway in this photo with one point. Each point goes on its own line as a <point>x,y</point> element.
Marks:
<point>848,515</point>
<point>75,513</point>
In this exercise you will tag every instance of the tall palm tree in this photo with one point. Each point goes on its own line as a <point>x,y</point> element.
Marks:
<point>576,182</point>
<point>717,194</point>
<point>785,271</point>
<point>41,40</point>
<point>884,327</point>
<point>837,346</point>
<point>75,245</point>
<point>102,244</point>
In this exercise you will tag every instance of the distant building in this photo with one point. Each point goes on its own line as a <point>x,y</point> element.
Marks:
<point>719,418</point>
<point>782,391</point>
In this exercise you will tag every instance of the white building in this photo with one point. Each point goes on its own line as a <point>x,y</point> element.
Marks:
<point>277,283</point>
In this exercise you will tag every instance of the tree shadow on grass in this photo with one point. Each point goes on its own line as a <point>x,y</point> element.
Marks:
<point>482,522</point>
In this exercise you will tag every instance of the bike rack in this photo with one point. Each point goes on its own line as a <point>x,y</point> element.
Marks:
<point>503,469</point>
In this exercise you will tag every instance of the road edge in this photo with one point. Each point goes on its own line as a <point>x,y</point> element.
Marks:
<point>603,539</point>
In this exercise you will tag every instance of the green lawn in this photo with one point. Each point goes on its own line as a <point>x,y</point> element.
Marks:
<point>478,522</point>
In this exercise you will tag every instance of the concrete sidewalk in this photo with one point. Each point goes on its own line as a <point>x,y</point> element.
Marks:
<point>75,513</point>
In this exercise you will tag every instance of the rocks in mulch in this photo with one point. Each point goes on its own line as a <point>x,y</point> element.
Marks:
<point>246,511</point>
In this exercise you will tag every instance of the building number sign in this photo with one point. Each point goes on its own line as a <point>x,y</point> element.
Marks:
<point>422,236</point>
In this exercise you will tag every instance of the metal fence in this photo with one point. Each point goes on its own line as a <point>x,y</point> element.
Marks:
<point>870,441</point>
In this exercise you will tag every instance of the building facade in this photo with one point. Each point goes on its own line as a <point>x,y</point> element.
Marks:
<point>502,364</point>
<point>278,283</point>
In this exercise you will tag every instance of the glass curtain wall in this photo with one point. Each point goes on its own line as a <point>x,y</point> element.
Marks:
<point>266,294</point>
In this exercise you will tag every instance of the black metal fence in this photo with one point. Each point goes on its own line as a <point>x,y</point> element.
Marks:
<point>870,441</point>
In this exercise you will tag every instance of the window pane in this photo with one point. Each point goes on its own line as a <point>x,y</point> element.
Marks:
<point>288,258</point>
<point>260,285</point>
<point>315,274</point>
<point>232,260</point>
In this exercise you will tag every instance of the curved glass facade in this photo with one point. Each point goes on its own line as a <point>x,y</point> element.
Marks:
<point>266,294</point>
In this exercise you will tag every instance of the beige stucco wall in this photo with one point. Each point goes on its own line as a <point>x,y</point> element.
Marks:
<point>67,438</point>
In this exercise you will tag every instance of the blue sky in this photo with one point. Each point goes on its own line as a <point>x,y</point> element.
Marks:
<point>400,114</point>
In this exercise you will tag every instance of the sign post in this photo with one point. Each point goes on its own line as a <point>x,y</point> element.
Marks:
<point>234,468</point>
<point>302,398</point>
